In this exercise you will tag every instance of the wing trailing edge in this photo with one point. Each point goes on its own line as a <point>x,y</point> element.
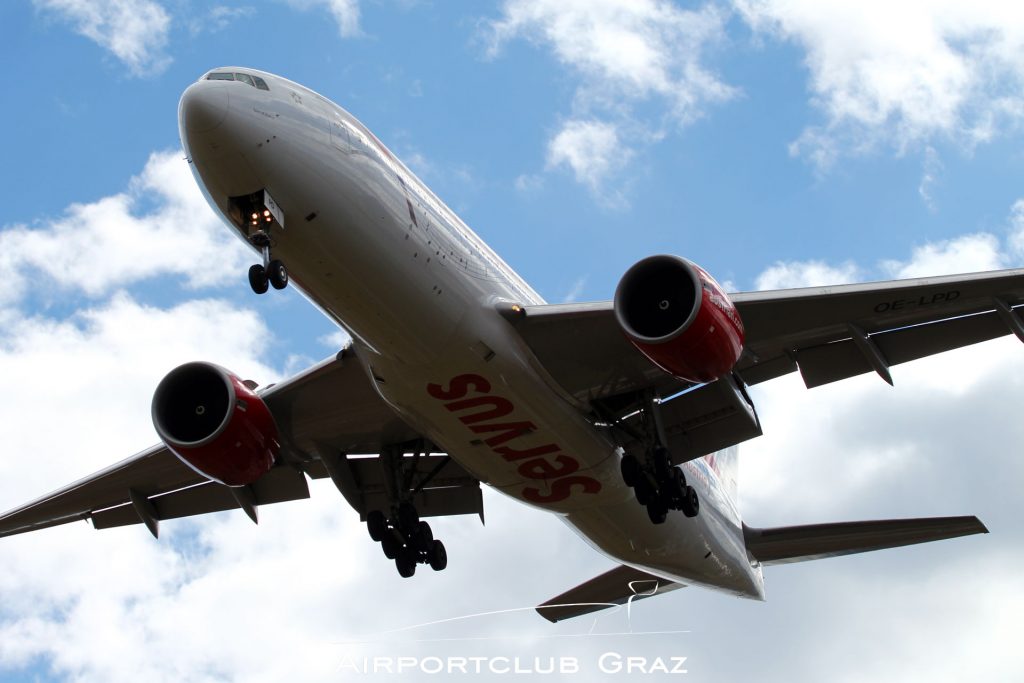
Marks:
<point>783,545</point>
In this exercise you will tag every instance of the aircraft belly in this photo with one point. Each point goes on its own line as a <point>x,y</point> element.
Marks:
<point>706,550</point>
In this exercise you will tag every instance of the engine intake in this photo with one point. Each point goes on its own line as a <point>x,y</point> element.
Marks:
<point>215,424</point>
<point>675,314</point>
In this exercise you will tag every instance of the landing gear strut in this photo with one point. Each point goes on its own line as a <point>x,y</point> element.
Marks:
<point>657,484</point>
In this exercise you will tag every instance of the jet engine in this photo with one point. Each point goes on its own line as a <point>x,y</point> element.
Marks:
<point>680,318</point>
<point>215,424</point>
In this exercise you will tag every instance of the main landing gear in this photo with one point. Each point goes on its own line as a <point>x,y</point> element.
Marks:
<point>658,485</point>
<point>271,272</point>
<point>406,539</point>
<point>403,536</point>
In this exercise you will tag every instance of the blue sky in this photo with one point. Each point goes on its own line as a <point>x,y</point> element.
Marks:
<point>777,144</point>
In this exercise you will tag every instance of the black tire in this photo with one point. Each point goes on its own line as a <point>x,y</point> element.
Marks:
<point>258,278</point>
<point>406,563</point>
<point>437,556</point>
<point>277,274</point>
<point>691,503</point>
<point>630,469</point>
<point>408,518</point>
<point>424,537</point>
<point>643,491</point>
<point>677,484</point>
<point>391,546</point>
<point>661,461</point>
<point>657,512</point>
<point>376,524</point>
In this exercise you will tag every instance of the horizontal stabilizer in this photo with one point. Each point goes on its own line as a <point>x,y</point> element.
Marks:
<point>782,545</point>
<point>613,588</point>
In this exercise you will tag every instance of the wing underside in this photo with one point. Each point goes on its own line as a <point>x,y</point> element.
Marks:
<point>333,424</point>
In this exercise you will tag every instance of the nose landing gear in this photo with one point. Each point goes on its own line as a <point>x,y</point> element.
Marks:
<point>256,214</point>
<point>271,272</point>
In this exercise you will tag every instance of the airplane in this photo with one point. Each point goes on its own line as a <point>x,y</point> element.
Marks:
<point>620,417</point>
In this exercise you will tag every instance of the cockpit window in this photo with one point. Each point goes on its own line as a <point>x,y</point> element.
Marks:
<point>254,81</point>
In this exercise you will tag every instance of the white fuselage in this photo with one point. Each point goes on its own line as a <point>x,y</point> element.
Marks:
<point>371,246</point>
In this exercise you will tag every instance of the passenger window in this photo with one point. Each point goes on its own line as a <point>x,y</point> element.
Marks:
<point>220,76</point>
<point>260,83</point>
<point>245,78</point>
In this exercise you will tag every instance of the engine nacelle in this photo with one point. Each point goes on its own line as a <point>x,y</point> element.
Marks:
<point>215,424</point>
<point>680,318</point>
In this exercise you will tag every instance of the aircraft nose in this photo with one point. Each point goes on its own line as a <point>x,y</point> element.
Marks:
<point>203,106</point>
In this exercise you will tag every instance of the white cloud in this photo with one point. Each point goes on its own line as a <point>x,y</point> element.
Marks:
<point>965,254</point>
<point>135,31</point>
<point>902,74</point>
<point>626,53</point>
<point>161,226</point>
<point>792,274</point>
<point>218,18</point>
<point>344,12</point>
<point>591,149</point>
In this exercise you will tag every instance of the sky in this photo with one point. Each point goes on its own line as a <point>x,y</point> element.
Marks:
<point>777,143</point>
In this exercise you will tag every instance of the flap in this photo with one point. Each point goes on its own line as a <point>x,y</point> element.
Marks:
<point>276,486</point>
<point>782,545</point>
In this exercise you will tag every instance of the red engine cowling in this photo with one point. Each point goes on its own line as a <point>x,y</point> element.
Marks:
<point>215,424</point>
<point>680,318</point>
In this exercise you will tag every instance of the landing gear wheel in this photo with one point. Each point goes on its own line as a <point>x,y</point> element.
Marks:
<point>408,518</point>
<point>277,274</point>
<point>630,470</point>
<point>643,492</point>
<point>657,512</point>
<point>677,487</point>
<point>406,563</point>
<point>376,524</point>
<point>437,556</point>
<point>258,279</point>
<point>423,538</point>
<point>390,545</point>
<point>691,503</point>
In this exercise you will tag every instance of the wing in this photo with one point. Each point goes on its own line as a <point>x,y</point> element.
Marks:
<point>330,418</point>
<point>783,545</point>
<point>618,586</point>
<point>825,333</point>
